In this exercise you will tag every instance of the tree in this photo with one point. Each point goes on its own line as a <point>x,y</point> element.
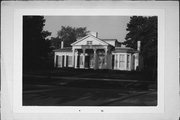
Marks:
<point>71,34</point>
<point>55,43</point>
<point>144,29</point>
<point>35,44</point>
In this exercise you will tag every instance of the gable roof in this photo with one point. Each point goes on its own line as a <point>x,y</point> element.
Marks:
<point>100,40</point>
<point>65,49</point>
<point>124,49</point>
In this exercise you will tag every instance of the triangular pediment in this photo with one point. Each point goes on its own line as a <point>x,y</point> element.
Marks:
<point>89,39</point>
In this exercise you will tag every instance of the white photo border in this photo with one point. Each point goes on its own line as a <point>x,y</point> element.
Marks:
<point>85,12</point>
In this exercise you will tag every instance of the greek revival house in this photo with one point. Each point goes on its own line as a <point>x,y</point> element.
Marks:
<point>91,52</point>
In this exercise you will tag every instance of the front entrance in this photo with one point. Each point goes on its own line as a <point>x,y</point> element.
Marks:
<point>91,59</point>
<point>87,61</point>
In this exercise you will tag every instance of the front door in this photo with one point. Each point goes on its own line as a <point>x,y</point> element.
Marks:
<point>87,61</point>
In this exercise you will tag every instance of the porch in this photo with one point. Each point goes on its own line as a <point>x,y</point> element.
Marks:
<point>91,57</point>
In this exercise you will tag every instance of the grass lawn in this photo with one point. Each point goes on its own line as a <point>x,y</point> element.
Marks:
<point>88,87</point>
<point>89,78</point>
<point>90,73</point>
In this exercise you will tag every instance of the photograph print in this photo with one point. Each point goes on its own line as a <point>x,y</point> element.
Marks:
<point>90,60</point>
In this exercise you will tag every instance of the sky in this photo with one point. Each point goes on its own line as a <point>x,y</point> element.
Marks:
<point>108,27</point>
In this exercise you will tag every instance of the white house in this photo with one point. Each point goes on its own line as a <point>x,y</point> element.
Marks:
<point>91,52</point>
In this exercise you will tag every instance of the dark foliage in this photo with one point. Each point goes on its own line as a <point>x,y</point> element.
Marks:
<point>35,45</point>
<point>55,43</point>
<point>71,34</point>
<point>144,29</point>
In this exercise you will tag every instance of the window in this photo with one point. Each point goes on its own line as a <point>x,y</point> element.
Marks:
<point>116,61</point>
<point>89,42</point>
<point>59,61</point>
<point>69,60</point>
<point>121,61</point>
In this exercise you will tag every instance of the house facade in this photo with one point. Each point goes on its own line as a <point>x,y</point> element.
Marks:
<point>91,52</point>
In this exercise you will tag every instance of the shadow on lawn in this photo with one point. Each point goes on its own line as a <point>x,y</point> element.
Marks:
<point>104,79</point>
<point>91,73</point>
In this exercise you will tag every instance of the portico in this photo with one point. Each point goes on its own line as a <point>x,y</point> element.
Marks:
<point>93,56</point>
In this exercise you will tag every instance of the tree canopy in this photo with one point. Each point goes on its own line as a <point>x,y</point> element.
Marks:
<point>144,29</point>
<point>55,43</point>
<point>71,34</point>
<point>35,44</point>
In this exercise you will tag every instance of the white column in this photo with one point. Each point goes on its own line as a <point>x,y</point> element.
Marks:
<point>73,58</point>
<point>114,61</point>
<point>95,64</point>
<point>137,60</point>
<point>64,60</point>
<point>83,58</point>
<point>105,58</point>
